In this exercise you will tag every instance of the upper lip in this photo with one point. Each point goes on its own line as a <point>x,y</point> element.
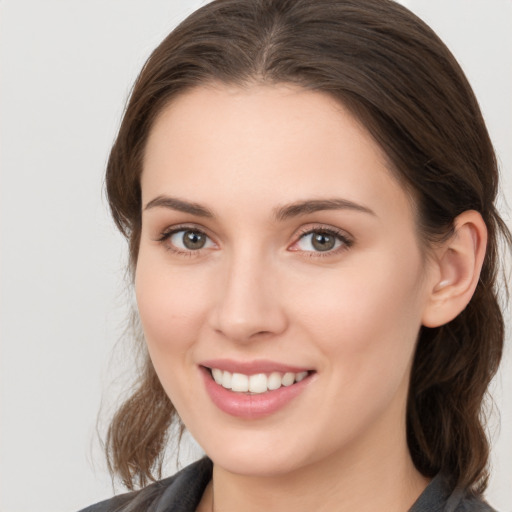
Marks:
<point>252,367</point>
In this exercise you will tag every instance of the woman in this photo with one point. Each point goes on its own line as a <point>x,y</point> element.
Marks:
<point>308,193</point>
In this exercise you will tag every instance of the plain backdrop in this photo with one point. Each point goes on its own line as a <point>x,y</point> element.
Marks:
<point>66,70</point>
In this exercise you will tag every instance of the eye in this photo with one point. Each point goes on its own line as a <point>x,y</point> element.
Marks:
<point>186,240</point>
<point>322,240</point>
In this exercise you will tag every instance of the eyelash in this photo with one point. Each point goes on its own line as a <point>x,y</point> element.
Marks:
<point>342,236</point>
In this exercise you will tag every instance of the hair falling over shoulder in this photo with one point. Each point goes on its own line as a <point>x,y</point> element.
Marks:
<point>400,80</point>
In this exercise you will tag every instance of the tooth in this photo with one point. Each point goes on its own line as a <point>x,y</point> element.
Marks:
<point>288,379</point>
<point>217,375</point>
<point>301,376</point>
<point>258,383</point>
<point>240,382</point>
<point>274,381</point>
<point>226,380</point>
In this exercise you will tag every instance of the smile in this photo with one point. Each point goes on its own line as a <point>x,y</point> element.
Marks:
<point>258,383</point>
<point>253,390</point>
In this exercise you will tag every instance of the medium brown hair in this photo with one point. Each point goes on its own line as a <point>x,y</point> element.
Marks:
<point>399,79</point>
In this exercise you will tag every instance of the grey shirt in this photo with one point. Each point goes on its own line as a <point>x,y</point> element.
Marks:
<point>183,491</point>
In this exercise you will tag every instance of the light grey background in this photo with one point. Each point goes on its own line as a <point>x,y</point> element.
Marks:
<point>66,69</point>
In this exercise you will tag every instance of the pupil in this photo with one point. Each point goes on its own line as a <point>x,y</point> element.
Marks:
<point>323,241</point>
<point>193,240</point>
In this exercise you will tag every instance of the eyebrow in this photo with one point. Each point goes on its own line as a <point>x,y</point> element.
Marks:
<point>281,213</point>
<point>174,203</point>
<point>316,205</point>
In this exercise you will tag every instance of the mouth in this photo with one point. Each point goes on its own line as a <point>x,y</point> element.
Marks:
<point>256,383</point>
<point>254,389</point>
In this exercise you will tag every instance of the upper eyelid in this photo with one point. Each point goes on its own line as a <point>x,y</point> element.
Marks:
<point>170,230</point>
<point>326,228</point>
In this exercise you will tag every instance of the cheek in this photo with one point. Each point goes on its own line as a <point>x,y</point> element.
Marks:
<point>171,303</point>
<point>368,316</point>
<point>366,328</point>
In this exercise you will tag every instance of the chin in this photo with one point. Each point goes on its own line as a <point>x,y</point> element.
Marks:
<point>260,465</point>
<point>258,454</point>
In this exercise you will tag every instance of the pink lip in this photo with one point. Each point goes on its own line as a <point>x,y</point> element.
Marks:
<point>252,367</point>
<point>251,406</point>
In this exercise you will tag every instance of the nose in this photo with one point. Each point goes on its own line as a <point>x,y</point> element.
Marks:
<point>248,304</point>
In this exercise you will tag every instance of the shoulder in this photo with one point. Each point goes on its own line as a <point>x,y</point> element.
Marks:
<point>473,504</point>
<point>440,497</point>
<point>178,493</point>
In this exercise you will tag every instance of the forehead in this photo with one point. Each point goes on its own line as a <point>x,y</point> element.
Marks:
<point>273,143</point>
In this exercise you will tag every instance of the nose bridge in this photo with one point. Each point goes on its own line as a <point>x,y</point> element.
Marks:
<point>248,301</point>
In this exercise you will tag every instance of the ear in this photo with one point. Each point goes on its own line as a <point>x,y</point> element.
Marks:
<point>457,266</point>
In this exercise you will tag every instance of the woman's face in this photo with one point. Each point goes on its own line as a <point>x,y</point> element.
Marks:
<point>277,247</point>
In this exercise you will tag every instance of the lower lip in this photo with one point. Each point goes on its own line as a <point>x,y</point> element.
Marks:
<point>251,406</point>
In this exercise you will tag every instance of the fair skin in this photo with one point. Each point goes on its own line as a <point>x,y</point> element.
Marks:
<point>232,268</point>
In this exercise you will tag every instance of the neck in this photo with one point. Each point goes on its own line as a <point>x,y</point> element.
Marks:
<point>386,480</point>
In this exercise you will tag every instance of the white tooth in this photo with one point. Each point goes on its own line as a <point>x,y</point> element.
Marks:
<point>274,381</point>
<point>226,380</point>
<point>240,382</point>
<point>217,375</point>
<point>288,379</point>
<point>258,383</point>
<point>301,376</point>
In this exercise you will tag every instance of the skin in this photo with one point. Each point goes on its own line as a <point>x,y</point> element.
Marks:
<point>259,289</point>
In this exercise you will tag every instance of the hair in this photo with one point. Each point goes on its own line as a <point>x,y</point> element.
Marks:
<point>402,83</point>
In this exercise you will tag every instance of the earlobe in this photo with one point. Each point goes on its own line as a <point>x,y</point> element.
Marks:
<point>459,261</point>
